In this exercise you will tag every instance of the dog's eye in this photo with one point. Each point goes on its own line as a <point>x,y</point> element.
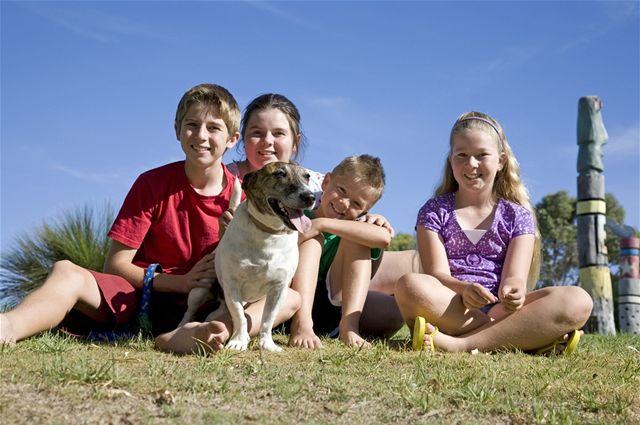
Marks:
<point>307,176</point>
<point>280,173</point>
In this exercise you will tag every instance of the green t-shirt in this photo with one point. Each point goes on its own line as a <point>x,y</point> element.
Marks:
<point>329,249</point>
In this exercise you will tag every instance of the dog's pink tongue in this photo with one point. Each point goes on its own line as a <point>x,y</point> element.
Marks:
<point>299,220</point>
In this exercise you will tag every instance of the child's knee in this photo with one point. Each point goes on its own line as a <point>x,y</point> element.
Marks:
<point>74,280</point>
<point>65,267</point>
<point>573,305</point>
<point>69,273</point>
<point>579,304</point>
<point>405,284</point>
<point>415,286</point>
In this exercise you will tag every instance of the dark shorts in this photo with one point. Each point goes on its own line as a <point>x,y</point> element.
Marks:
<point>121,298</point>
<point>326,316</point>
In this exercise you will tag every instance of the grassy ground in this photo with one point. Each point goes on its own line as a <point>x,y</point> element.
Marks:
<point>56,380</point>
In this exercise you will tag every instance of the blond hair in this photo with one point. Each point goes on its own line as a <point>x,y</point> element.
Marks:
<point>507,184</point>
<point>366,169</point>
<point>210,95</point>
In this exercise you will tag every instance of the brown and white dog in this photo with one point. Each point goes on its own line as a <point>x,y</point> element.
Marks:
<point>258,253</point>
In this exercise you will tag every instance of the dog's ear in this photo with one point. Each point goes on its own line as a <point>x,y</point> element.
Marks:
<point>248,178</point>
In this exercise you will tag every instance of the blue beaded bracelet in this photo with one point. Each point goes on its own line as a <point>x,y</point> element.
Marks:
<point>144,321</point>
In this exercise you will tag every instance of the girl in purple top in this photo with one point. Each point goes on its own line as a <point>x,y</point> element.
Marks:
<point>480,249</point>
<point>482,261</point>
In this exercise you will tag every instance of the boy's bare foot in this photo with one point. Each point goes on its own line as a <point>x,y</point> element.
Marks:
<point>214,334</point>
<point>304,338</point>
<point>194,336</point>
<point>349,329</point>
<point>353,339</point>
<point>6,331</point>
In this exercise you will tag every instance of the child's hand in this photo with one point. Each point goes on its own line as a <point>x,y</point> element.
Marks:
<point>314,230</point>
<point>234,200</point>
<point>224,220</point>
<point>378,220</point>
<point>476,296</point>
<point>203,273</point>
<point>512,296</point>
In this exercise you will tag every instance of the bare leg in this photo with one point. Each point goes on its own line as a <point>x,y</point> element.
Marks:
<point>547,315</point>
<point>304,282</point>
<point>392,266</point>
<point>189,338</point>
<point>351,273</point>
<point>380,315</point>
<point>424,295</point>
<point>67,286</point>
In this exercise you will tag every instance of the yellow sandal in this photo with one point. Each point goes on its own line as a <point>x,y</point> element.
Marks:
<point>419,333</point>
<point>570,344</point>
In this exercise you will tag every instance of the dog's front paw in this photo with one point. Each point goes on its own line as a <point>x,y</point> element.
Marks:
<point>269,345</point>
<point>238,343</point>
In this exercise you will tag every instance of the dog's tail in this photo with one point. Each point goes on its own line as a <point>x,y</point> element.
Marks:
<point>236,195</point>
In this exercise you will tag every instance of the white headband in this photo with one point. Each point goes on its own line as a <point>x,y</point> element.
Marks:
<point>479,119</point>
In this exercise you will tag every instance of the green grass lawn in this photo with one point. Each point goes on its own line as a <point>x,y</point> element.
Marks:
<point>57,380</point>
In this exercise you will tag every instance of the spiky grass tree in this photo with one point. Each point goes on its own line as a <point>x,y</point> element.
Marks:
<point>78,235</point>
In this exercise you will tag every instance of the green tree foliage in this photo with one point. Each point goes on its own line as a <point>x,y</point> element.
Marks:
<point>616,213</point>
<point>402,242</point>
<point>79,236</point>
<point>556,214</point>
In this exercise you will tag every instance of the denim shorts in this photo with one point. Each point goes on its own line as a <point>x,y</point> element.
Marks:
<point>487,307</point>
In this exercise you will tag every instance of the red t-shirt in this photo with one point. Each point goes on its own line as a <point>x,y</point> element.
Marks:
<point>167,221</point>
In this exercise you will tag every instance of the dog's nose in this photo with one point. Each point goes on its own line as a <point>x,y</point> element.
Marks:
<point>308,197</point>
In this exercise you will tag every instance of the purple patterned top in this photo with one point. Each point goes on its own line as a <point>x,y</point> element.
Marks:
<point>482,262</point>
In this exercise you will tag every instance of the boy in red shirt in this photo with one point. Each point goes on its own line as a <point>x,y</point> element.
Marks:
<point>169,218</point>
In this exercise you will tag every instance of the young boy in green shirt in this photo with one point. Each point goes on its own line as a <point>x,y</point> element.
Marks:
<point>337,260</point>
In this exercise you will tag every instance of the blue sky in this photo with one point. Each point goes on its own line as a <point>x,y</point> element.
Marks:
<point>89,89</point>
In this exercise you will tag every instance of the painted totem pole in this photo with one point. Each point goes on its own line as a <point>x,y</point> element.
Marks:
<point>591,210</point>
<point>628,294</point>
